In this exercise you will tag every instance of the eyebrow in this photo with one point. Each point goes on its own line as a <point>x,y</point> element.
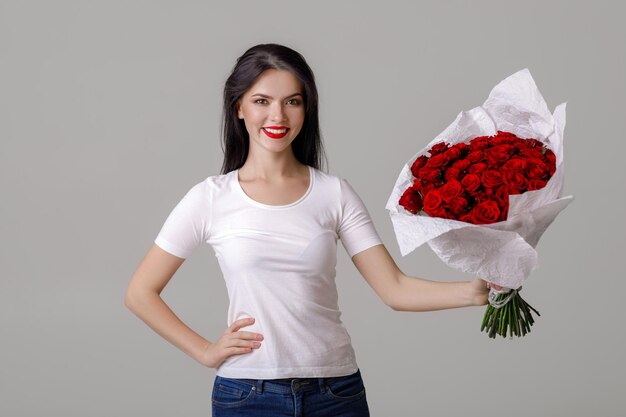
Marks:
<point>266,96</point>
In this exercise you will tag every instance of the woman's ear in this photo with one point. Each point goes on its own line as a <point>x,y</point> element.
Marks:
<point>238,108</point>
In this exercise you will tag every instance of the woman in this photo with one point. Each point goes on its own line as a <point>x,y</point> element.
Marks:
<point>273,219</point>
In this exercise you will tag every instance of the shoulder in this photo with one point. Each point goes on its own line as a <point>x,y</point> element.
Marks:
<point>338,189</point>
<point>330,181</point>
<point>335,184</point>
<point>201,194</point>
<point>210,184</point>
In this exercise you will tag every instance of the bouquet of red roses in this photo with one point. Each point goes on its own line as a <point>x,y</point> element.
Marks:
<point>482,193</point>
<point>472,182</point>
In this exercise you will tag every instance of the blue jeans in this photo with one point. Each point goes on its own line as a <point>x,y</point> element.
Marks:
<point>342,396</point>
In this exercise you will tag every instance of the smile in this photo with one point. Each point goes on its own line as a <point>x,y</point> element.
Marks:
<point>275,133</point>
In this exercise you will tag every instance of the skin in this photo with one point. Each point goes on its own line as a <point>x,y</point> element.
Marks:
<point>272,175</point>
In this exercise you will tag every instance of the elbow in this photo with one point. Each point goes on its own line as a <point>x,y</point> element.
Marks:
<point>391,302</point>
<point>128,302</point>
<point>392,298</point>
<point>394,306</point>
<point>130,299</point>
<point>135,297</point>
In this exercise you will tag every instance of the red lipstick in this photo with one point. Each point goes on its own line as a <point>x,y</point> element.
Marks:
<point>276,135</point>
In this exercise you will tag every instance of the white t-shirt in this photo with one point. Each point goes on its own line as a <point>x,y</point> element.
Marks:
<point>279,266</point>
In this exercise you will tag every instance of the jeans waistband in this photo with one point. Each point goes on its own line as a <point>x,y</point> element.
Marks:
<point>289,385</point>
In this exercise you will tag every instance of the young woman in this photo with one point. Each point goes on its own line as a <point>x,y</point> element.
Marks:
<point>273,219</point>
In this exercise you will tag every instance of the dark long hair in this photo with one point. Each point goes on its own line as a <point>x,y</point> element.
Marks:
<point>307,146</point>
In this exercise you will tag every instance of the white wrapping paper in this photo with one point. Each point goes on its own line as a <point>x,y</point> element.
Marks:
<point>503,252</point>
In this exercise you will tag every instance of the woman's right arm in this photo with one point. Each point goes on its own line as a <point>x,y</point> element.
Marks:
<point>143,298</point>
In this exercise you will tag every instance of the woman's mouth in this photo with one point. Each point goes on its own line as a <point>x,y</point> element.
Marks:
<point>275,133</point>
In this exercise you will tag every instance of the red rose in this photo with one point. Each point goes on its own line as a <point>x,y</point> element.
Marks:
<point>432,200</point>
<point>474,156</point>
<point>515,181</point>
<point>481,196</point>
<point>461,164</point>
<point>468,218</point>
<point>514,191</point>
<point>427,187</point>
<point>440,212</point>
<point>411,200</point>
<point>502,196</point>
<point>550,156</point>
<point>531,153</point>
<point>550,159</point>
<point>491,178</point>
<point>458,205</point>
<point>519,142</point>
<point>419,162</point>
<point>515,164</point>
<point>477,168</point>
<point>536,168</point>
<point>501,140</point>
<point>470,182</point>
<point>486,212</point>
<point>504,133</point>
<point>480,142</point>
<point>551,169</point>
<point>462,147</point>
<point>504,148</point>
<point>451,190</point>
<point>534,143</point>
<point>438,160</point>
<point>504,212</point>
<point>438,148</point>
<point>536,184</point>
<point>417,184</point>
<point>453,153</point>
<point>498,155</point>
<point>452,173</point>
<point>429,174</point>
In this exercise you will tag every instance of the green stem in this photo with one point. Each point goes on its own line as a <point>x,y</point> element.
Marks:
<point>510,313</point>
<point>521,321</point>
<point>485,317</point>
<point>516,321</point>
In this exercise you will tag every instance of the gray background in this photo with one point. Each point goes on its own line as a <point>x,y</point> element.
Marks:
<point>109,113</point>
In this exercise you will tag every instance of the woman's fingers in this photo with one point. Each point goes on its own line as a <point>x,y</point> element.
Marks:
<point>238,324</point>
<point>243,341</point>
<point>492,285</point>
<point>249,335</point>
<point>243,346</point>
<point>232,342</point>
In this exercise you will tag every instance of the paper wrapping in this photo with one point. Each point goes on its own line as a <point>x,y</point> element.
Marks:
<point>504,252</point>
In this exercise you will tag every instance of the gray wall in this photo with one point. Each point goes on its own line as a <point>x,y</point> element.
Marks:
<point>109,112</point>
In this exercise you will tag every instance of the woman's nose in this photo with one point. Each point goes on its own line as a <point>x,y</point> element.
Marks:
<point>278,113</point>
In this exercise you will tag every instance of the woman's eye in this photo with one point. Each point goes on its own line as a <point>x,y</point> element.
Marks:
<point>293,101</point>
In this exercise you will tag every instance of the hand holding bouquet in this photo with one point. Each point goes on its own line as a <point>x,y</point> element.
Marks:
<point>484,191</point>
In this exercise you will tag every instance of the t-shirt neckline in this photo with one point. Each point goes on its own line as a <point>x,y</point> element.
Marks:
<point>271,206</point>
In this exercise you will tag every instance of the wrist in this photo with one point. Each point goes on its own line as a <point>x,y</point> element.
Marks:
<point>477,292</point>
<point>469,292</point>
<point>202,350</point>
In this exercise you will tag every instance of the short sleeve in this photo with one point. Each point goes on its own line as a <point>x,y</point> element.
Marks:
<point>188,224</point>
<point>356,229</point>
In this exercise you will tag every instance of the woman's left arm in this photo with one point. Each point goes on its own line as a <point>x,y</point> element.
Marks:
<point>404,293</point>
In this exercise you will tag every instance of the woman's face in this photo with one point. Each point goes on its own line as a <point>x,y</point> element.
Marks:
<point>273,110</point>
